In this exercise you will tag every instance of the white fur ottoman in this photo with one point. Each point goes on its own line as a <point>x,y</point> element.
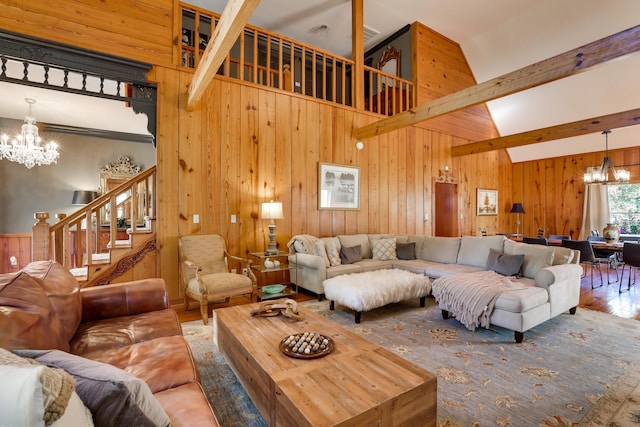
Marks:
<point>372,289</point>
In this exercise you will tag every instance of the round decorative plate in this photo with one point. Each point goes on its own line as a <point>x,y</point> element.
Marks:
<point>322,345</point>
<point>273,289</point>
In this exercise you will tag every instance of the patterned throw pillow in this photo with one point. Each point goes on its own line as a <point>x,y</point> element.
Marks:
<point>320,250</point>
<point>333,254</point>
<point>384,249</point>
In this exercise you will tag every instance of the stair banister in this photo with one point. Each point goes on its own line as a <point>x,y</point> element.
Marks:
<point>54,241</point>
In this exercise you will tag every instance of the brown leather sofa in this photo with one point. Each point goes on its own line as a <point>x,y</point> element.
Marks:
<point>128,325</point>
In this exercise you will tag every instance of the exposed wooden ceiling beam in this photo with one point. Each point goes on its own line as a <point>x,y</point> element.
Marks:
<point>567,130</point>
<point>564,65</point>
<point>235,16</point>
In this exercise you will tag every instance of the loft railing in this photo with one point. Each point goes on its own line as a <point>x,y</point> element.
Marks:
<point>74,241</point>
<point>269,59</point>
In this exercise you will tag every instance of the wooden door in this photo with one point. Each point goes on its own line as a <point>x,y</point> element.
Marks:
<point>446,209</point>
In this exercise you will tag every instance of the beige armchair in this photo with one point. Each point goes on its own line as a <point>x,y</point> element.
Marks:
<point>204,272</point>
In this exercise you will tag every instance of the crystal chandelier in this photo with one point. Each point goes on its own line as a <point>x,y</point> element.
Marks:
<point>27,148</point>
<point>600,174</point>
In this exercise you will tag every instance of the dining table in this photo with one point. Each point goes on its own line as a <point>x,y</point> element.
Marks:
<point>615,247</point>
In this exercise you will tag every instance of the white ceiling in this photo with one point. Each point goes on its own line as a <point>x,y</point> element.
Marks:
<point>497,37</point>
<point>61,108</point>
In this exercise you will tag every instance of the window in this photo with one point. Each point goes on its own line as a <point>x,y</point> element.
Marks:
<point>624,207</point>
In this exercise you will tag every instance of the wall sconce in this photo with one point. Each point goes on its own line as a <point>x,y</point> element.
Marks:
<point>272,210</point>
<point>359,145</point>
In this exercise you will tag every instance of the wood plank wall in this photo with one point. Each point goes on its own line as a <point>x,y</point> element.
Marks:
<point>552,190</point>
<point>141,29</point>
<point>440,68</point>
<point>16,245</point>
<point>246,144</point>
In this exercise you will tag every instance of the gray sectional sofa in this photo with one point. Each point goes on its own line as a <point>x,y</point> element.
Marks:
<point>551,275</point>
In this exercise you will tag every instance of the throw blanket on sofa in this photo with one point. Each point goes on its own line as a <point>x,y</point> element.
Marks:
<point>471,297</point>
<point>301,241</point>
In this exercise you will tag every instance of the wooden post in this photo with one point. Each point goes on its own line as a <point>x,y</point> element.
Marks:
<point>41,238</point>
<point>287,78</point>
<point>357,52</point>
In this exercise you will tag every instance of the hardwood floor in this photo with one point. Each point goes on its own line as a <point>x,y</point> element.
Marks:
<point>605,298</point>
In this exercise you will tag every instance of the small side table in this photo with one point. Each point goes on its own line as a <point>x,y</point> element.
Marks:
<point>287,292</point>
<point>270,276</point>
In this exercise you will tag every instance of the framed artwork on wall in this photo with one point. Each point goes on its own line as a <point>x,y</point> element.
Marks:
<point>338,187</point>
<point>487,202</point>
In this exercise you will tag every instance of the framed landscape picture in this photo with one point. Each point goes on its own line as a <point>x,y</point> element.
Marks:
<point>338,186</point>
<point>487,202</point>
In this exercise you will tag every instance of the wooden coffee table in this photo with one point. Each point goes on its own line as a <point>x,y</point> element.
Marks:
<point>357,384</point>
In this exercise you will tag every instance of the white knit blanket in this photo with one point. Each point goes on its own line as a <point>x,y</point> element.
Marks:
<point>373,289</point>
<point>471,297</point>
<point>307,241</point>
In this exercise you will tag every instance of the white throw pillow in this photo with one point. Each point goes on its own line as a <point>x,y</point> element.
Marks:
<point>536,257</point>
<point>562,255</point>
<point>384,249</point>
<point>321,251</point>
<point>43,394</point>
<point>333,253</point>
<point>21,399</point>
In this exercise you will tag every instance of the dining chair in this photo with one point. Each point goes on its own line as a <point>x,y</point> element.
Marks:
<point>204,272</point>
<point>605,256</point>
<point>630,257</point>
<point>535,241</point>
<point>587,256</point>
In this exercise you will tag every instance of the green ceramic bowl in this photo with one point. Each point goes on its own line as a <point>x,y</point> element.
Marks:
<point>273,289</point>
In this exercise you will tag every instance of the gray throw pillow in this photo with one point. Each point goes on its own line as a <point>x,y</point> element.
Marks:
<point>505,264</point>
<point>350,255</point>
<point>406,250</point>
<point>114,397</point>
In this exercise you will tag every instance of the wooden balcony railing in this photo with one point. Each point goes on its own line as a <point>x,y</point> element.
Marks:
<point>385,93</point>
<point>75,240</point>
<point>269,59</point>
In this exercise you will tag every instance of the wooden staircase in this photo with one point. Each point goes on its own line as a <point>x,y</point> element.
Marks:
<point>99,252</point>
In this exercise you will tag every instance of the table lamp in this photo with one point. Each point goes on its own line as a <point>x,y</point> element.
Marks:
<point>517,209</point>
<point>272,210</point>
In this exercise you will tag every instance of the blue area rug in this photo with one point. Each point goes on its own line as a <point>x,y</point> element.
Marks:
<point>230,402</point>
<point>571,370</point>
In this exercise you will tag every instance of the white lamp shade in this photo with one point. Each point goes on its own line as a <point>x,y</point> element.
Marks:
<point>272,210</point>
